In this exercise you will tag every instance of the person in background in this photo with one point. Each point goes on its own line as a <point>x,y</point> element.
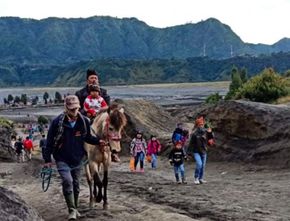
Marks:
<point>42,144</point>
<point>94,103</point>
<point>176,158</point>
<point>19,149</point>
<point>65,141</point>
<point>28,147</point>
<point>154,148</point>
<point>138,150</point>
<point>177,134</point>
<point>200,138</point>
<point>92,79</point>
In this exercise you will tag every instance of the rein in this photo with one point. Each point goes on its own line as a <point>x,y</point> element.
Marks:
<point>46,173</point>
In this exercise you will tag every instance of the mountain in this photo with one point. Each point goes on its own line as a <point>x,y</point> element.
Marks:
<point>60,40</point>
<point>139,71</point>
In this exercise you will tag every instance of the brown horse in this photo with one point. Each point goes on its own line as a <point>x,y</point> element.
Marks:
<point>108,126</point>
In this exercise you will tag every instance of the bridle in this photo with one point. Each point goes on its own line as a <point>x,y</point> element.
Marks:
<point>108,136</point>
<point>111,136</point>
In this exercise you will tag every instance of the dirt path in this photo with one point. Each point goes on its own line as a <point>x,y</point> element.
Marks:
<point>233,192</point>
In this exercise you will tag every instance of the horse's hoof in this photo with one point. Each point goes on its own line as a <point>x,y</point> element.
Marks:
<point>99,199</point>
<point>106,206</point>
<point>92,205</point>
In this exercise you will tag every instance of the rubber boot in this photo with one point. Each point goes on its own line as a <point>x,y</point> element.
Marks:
<point>76,198</point>
<point>70,202</point>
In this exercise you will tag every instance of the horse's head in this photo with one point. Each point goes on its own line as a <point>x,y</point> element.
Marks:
<point>109,125</point>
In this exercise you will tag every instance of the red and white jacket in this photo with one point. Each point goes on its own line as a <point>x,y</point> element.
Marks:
<point>93,105</point>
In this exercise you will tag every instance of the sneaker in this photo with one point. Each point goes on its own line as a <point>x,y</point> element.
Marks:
<point>141,171</point>
<point>184,181</point>
<point>196,181</point>
<point>178,182</point>
<point>202,181</point>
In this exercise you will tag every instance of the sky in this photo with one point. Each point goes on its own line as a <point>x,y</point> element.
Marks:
<point>255,21</point>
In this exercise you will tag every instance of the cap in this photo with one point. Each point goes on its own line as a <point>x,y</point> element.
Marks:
<point>71,102</point>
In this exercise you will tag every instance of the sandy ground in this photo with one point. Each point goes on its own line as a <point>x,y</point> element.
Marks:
<point>233,192</point>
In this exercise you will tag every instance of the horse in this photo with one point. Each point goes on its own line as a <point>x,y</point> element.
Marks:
<point>108,127</point>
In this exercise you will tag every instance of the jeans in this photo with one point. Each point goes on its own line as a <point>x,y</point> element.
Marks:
<point>70,178</point>
<point>200,160</point>
<point>140,156</point>
<point>177,169</point>
<point>154,161</point>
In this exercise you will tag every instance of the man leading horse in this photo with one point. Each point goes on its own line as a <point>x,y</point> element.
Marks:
<point>65,141</point>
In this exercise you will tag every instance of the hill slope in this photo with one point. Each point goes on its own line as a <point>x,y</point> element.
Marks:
<point>59,40</point>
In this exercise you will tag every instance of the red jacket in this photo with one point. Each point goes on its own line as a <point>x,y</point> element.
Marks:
<point>154,147</point>
<point>28,145</point>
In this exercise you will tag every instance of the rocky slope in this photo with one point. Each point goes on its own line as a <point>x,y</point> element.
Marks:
<point>12,207</point>
<point>150,118</point>
<point>5,135</point>
<point>248,131</point>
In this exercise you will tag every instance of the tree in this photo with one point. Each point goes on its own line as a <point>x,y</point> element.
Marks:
<point>35,100</point>
<point>17,99</point>
<point>23,99</point>
<point>58,97</point>
<point>244,75</point>
<point>42,120</point>
<point>236,83</point>
<point>5,100</point>
<point>10,98</point>
<point>266,87</point>
<point>45,97</point>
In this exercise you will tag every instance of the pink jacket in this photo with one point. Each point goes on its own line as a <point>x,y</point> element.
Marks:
<point>153,147</point>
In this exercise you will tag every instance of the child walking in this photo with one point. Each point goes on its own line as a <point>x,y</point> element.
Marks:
<point>154,148</point>
<point>138,150</point>
<point>176,158</point>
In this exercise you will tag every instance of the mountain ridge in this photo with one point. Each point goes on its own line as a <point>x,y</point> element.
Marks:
<point>65,40</point>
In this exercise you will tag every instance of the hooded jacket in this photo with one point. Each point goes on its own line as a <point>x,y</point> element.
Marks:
<point>71,148</point>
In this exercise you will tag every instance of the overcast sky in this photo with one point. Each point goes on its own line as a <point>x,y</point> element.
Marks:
<point>255,21</point>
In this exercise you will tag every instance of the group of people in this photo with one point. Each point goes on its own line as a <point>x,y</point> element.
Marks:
<point>71,129</point>
<point>23,148</point>
<point>201,138</point>
<point>139,148</point>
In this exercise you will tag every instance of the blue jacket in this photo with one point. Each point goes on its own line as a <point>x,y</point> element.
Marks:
<point>71,149</point>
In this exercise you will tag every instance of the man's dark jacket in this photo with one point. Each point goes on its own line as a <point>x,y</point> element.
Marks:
<point>71,150</point>
<point>84,92</point>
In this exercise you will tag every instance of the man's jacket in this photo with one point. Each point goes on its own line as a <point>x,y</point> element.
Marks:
<point>71,146</point>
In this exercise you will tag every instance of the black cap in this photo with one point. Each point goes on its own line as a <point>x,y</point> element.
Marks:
<point>91,72</point>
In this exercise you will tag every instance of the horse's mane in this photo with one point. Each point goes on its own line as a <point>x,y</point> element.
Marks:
<point>97,123</point>
<point>117,120</point>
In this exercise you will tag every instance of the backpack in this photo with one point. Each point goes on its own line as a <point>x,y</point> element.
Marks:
<point>176,137</point>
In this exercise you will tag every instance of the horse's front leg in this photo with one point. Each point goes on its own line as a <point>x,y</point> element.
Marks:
<point>90,183</point>
<point>98,182</point>
<point>105,183</point>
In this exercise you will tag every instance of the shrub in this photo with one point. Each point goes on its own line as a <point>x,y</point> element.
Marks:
<point>265,87</point>
<point>6,123</point>
<point>213,98</point>
<point>42,120</point>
